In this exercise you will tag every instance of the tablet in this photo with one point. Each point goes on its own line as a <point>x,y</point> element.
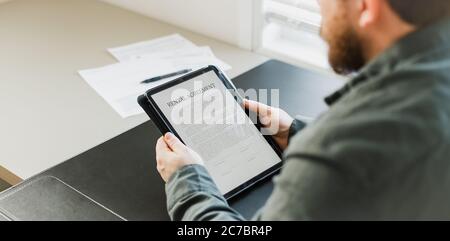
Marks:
<point>205,111</point>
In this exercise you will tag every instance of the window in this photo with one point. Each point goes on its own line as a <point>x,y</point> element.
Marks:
<point>289,30</point>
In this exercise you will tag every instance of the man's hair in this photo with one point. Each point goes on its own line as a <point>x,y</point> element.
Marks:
<point>421,12</point>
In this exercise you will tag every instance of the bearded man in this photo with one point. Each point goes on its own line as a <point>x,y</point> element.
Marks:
<point>382,150</point>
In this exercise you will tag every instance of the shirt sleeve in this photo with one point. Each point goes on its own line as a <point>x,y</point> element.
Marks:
<point>296,127</point>
<point>192,195</point>
<point>308,188</point>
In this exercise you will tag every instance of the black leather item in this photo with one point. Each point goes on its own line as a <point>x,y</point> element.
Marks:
<point>47,198</point>
<point>121,173</point>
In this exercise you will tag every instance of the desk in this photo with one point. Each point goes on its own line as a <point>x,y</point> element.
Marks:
<point>49,114</point>
<point>121,173</point>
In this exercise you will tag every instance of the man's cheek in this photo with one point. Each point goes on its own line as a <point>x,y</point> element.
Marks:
<point>325,31</point>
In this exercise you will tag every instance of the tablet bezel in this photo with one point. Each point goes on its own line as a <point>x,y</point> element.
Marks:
<point>166,126</point>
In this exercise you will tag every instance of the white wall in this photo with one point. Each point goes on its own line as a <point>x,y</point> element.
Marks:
<point>3,1</point>
<point>226,20</point>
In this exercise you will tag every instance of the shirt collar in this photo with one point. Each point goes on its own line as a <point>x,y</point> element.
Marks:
<point>431,38</point>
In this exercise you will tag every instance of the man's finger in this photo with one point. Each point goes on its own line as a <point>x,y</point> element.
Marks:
<point>259,108</point>
<point>161,149</point>
<point>174,143</point>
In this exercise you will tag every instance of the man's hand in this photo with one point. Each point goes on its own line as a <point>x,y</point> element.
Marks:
<point>172,155</point>
<point>273,119</point>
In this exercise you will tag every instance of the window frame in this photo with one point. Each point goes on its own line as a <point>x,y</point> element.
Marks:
<point>258,47</point>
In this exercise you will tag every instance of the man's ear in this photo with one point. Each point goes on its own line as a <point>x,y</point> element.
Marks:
<point>370,11</point>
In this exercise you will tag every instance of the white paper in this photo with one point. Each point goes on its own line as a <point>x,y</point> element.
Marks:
<point>174,48</point>
<point>135,51</point>
<point>120,84</point>
<point>198,56</point>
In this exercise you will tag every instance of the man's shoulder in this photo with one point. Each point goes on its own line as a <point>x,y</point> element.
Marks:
<point>389,129</point>
<point>415,94</point>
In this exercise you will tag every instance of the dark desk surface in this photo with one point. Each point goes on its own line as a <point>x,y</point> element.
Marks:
<point>121,173</point>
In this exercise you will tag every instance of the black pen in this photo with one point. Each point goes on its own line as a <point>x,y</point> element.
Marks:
<point>154,79</point>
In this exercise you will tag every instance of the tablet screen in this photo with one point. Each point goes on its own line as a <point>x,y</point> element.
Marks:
<point>205,114</point>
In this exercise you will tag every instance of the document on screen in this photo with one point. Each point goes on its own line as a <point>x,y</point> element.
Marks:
<point>210,121</point>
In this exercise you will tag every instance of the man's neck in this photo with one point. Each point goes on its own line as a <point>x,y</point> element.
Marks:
<point>385,38</point>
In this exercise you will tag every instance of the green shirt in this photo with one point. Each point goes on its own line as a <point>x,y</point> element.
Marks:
<point>381,152</point>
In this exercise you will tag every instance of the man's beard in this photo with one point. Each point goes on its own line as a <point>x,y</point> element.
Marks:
<point>345,49</point>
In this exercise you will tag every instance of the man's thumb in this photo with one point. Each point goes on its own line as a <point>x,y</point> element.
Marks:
<point>173,142</point>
